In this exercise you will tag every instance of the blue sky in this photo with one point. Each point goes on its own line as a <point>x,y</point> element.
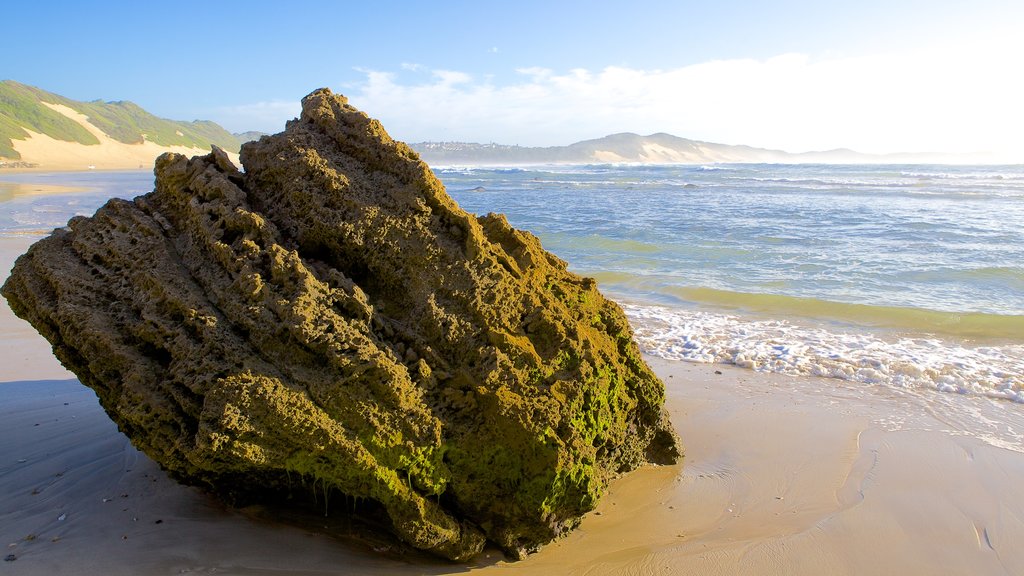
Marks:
<point>871,75</point>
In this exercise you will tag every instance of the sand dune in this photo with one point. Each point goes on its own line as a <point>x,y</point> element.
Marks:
<point>109,154</point>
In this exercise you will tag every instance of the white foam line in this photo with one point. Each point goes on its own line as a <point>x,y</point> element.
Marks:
<point>779,346</point>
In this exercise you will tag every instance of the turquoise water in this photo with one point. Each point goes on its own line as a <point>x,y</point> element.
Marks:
<point>909,277</point>
<point>939,238</point>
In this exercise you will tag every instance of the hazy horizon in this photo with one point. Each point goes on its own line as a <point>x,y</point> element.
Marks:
<point>878,77</point>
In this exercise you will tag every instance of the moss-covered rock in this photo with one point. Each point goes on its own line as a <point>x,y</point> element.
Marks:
<point>330,320</point>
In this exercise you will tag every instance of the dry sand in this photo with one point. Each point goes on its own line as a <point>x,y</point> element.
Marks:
<point>782,476</point>
<point>51,154</point>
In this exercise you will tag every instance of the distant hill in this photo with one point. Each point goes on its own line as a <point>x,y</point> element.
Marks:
<point>49,130</point>
<point>625,147</point>
<point>658,148</point>
<point>249,136</point>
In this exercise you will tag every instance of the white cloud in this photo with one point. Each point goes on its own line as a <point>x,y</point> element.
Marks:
<point>451,77</point>
<point>948,99</point>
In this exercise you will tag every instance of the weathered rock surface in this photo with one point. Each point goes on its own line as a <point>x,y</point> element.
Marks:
<point>331,320</point>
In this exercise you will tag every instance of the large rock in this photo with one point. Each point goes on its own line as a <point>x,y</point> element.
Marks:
<point>330,320</point>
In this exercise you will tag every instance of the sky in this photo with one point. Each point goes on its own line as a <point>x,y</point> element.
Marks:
<point>874,76</point>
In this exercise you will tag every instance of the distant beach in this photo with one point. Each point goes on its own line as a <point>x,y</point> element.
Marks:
<point>840,345</point>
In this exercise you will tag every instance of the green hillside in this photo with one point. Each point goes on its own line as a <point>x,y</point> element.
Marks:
<point>21,107</point>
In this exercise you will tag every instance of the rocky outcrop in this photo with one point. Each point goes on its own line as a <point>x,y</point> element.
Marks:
<point>331,321</point>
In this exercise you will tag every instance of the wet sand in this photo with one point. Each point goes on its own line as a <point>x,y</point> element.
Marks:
<point>24,354</point>
<point>782,475</point>
<point>12,190</point>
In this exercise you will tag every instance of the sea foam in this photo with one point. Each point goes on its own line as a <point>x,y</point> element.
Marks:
<point>876,358</point>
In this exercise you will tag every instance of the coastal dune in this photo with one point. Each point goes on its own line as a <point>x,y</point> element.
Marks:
<point>782,475</point>
<point>110,154</point>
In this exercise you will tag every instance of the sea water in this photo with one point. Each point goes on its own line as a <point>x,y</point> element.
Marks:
<point>905,278</point>
<point>29,208</point>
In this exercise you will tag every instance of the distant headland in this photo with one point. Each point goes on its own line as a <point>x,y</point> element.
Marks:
<point>661,148</point>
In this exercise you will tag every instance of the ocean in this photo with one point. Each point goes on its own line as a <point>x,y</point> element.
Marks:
<point>903,278</point>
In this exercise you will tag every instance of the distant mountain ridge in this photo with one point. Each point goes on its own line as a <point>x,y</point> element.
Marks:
<point>26,110</point>
<point>659,148</point>
<point>249,136</point>
<point>60,133</point>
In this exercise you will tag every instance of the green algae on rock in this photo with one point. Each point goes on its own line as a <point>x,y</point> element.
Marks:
<point>331,320</point>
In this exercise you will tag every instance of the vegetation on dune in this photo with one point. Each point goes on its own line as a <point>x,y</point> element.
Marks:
<point>22,107</point>
<point>127,122</point>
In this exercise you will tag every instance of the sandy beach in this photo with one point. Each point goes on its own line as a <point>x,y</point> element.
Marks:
<point>782,475</point>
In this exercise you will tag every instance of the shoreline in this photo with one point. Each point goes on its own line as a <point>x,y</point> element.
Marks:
<point>46,170</point>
